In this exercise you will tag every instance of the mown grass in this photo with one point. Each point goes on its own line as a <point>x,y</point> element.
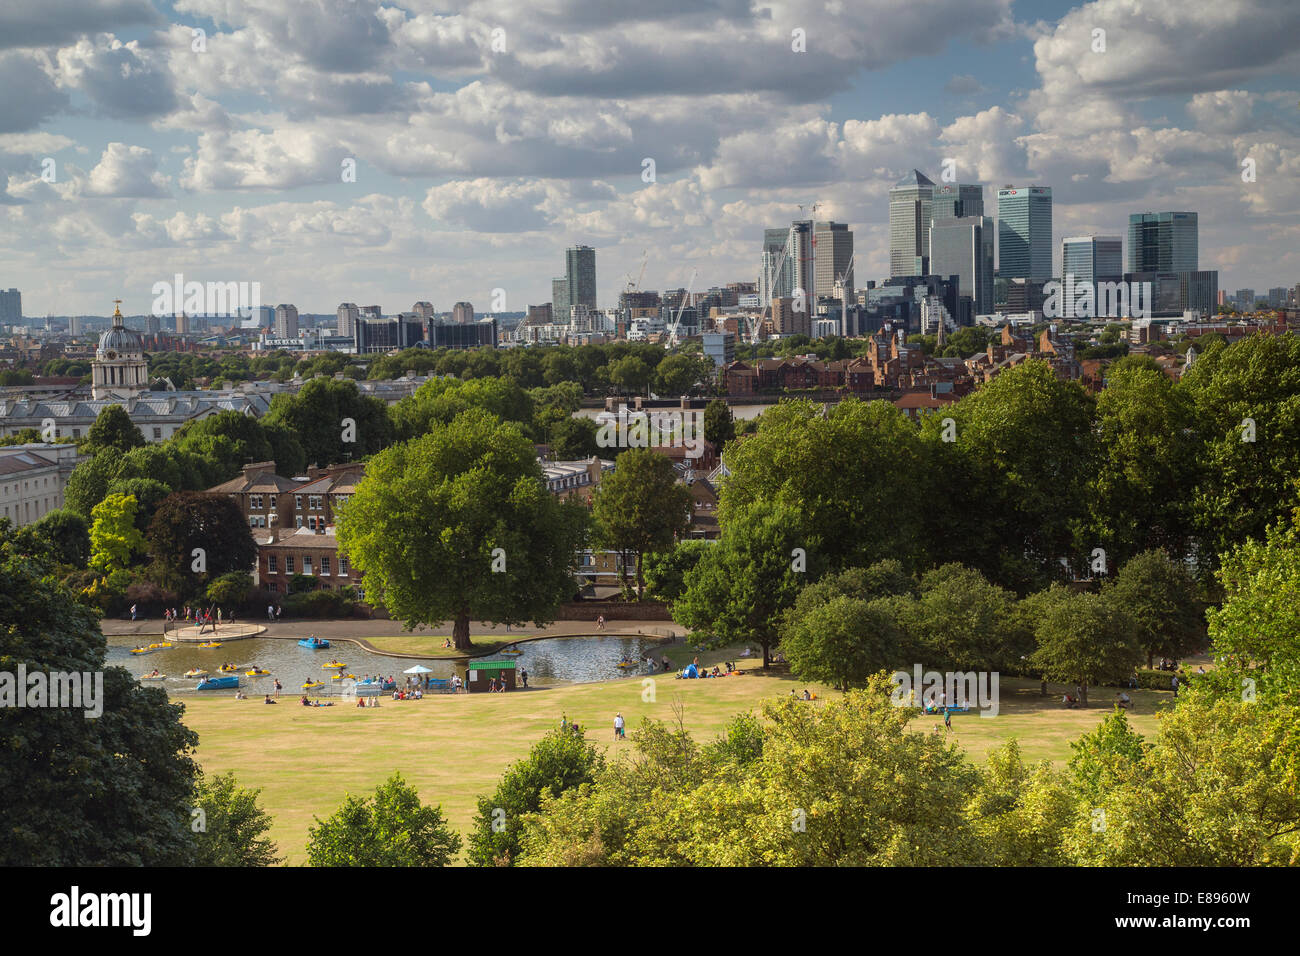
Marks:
<point>455,748</point>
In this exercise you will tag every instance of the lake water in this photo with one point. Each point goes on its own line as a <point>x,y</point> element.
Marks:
<point>554,660</point>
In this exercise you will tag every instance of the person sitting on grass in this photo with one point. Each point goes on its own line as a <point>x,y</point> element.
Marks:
<point>268,700</point>
<point>1124,700</point>
<point>305,701</point>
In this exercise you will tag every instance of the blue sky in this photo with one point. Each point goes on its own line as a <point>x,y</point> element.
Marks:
<point>477,165</point>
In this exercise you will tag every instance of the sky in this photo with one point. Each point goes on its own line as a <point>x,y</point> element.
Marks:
<point>393,151</point>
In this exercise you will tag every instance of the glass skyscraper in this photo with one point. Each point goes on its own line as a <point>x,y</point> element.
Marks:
<point>770,284</point>
<point>1090,260</point>
<point>909,225</point>
<point>954,200</point>
<point>964,247</point>
<point>1025,232</point>
<point>1162,242</point>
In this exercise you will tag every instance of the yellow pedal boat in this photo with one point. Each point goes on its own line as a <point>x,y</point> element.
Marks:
<point>257,673</point>
<point>154,677</point>
<point>229,669</point>
<point>141,650</point>
<point>196,672</point>
<point>210,644</point>
<point>334,664</point>
<point>313,684</point>
<point>344,677</point>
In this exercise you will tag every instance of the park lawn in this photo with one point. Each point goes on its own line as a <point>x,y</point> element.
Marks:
<point>455,748</point>
<point>430,645</point>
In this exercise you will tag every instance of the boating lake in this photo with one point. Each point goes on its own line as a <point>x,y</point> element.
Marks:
<point>552,660</point>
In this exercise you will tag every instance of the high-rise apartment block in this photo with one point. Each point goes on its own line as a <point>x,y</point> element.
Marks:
<point>462,313</point>
<point>286,321</point>
<point>348,316</point>
<point>11,307</point>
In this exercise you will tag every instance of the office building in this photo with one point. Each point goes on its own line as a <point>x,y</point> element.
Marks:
<point>964,247</point>
<point>462,313</point>
<point>1089,260</point>
<point>720,347</point>
<point>463,335</point>
<point>286,321</point>
<point>182,323</point>
<point>423,310</point>
<point>909,225</point>
<point>1173,293</point>
<point>348,315</point>
<point>771,283</point>
<point>1245,299</point>
<point>1025,232</point>
<point>11,307</point>
<point>1162,242</point>
<point>955,200</point>
<point>387,335</point>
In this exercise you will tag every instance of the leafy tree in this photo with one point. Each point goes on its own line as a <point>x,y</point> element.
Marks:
<point>666,571</point>
<point>440,400</point>
<point>88,483</point>
<point>1020,811</point>
<point>319,415</point>
<point>1009,492</point>
<point>741,584</point>
<point>559,761</point>
<point>245,439</point>
<point>425,524</point>
<point>1160,595</point>
<point>234,825</point>
<point>112,791</point>
<point>827,468</point>
<point>147,492</point>
<point>574,438</point>
<point>1084,639</point>
<point>719,425</point>
<point>231,589</point>
<point>1141,491</point>
<point>390,828</point>
<point>114,538</point>
<point>1247,485</point>
<point>678,373</point>
<point>111,431</point>
<point>64,536</point>
<point>640,507</point>
<point>963,622</point>
<point>843,641</point>
<point>212,524</point>
<point>631,373</point>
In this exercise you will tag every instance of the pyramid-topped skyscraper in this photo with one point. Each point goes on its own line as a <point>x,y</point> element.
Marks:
<point>909,225</point>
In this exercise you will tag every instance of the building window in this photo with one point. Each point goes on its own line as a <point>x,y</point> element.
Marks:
<point>343,566</point>
<point>288,564</point>
<point>306,564</point>
<point>157,434</point>
<point>313,502</point>
<point>297,503</point>
<point>255,501</point>
<point>272,565</point>
<point>298,521</point>
<point>76,433</point>
<point>325,564</point>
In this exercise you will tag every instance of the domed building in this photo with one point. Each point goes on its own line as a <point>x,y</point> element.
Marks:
<point>119,369</point>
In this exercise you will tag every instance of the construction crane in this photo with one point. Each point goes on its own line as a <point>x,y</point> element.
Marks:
<point>636,286</point>
<point>841,280</point>
<point>672,329</point>
<point>757,324</point>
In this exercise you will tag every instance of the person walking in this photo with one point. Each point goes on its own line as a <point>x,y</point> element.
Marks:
<point>133,612</point>
<point>270,612</point>
<point>523,675</point>
<point>618,726</point>
<point>947,718</point>
<point>278,687</point>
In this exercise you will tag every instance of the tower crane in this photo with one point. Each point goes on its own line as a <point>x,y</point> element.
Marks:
<point>672,329</point>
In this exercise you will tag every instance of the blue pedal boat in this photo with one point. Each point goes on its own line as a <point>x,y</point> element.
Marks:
<point>315,643</point>
<point>219,683</point>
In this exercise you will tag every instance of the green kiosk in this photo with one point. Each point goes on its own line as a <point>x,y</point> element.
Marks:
<point>482,674</point>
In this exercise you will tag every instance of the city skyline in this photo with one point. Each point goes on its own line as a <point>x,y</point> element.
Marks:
<point>335,153</point>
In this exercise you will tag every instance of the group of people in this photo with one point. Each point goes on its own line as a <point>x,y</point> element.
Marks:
<point>186,614</point>
<point>273,612</point>
<point>497,686</point>
<point>414,694</point>
<point>307,702</point>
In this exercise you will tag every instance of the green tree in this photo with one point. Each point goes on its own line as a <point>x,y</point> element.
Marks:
<point>719,425</point>
<point>458,525</point>
<point>741,584</point>
<point>111,791</point>
<point>843,641</point>
<point>64,536</point>
<point>559,761</point>
<point>112,431</point>
<point>1084,639</point>
<point>114,538</point>
<point>1161,597</point>
<point>440,400</point>
<point>390,828</point>
<point>640,507</point>
<point>827,469</point>
<point>963,622</point>
<point>1020,811</point>
<point>666,571</point>
<point>573,439</point>
<point>195,538</point>
<point>231,589</point>
<point>88,483</point>
<point>333,420</point>
<point>234,826</point>
<point>678,373</point>
<point>631,373</point>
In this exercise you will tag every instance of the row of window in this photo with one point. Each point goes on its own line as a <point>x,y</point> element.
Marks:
<point>272,565</point>
<point>314,502</point>
<point>40,483</point>
<point>26,514</point>
<point>314,523</point>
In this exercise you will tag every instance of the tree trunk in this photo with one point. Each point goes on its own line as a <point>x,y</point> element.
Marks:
<point>1083,695</point>
<point>1151,660</point>
<point>767,656</point>
<point>1042,690</point>
<point>460,631</point>
<point>640,576</point>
